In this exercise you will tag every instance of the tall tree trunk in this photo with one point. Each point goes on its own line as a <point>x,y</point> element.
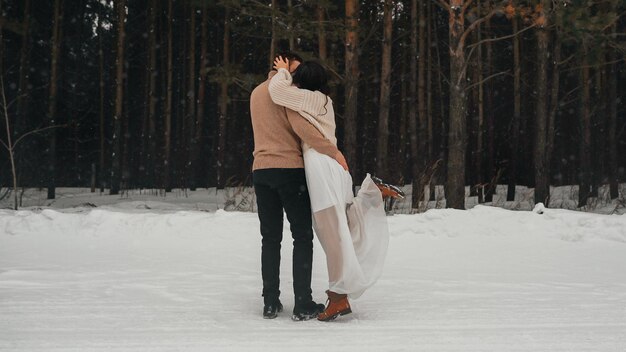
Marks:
<point>598,130</point>
<point>191,101</point>
<point>180,141</point>
<point>273,40</point>
<point>399,159</point>
<point>430,110</point>
<point>23,92</point>
<point>116,167</point>
<point>422,102</point>
<point>480,111</point>
<point>292,37</point>
<point>1,44</point>
<point>73,101</point>
<point>442,122</point>
<point>52,101</point>
<point>141,178</point>
<point>321,33</point>
<point>167,140</point>
<point>145,156</point>
<point>223,105</point>
<point>612,123</point>
<point>585,143</point>
<point>457,133</point>
<point>385,94</point>
<point>351,80</point>
<point>126,129</point>
<point>417,193</point>
<point>419,131</point>
<point>202,82</point>
<point>490,120</point>
<point>601,112</point>
<point>152,95</point>
<point>101,105</point>
<point>143,152</point>
<point>128,161</point>
<point>554,102</point>
<point>517,113</point>
<point>542,182</point>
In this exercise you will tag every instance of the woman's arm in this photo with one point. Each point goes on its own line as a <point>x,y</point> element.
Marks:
<point>285,94</point>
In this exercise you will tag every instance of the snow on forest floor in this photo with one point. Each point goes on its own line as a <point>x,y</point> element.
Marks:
<point>142,272</point>
<point>243,199</point>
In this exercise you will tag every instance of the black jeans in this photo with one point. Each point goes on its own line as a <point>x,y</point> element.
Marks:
<point>278,189</point>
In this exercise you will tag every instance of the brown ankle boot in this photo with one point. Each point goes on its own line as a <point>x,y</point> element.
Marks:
<point>337,305</point>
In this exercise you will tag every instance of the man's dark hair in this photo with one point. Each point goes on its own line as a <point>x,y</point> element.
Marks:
<point>289,55</point>
<point>311,75</point>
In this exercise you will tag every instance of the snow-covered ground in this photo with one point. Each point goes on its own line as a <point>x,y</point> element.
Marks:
<point>176,275</point>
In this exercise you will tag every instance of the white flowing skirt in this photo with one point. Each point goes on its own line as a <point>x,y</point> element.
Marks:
<point>352,230</point>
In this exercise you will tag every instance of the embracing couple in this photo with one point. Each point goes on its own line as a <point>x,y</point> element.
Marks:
<point>298,170</point>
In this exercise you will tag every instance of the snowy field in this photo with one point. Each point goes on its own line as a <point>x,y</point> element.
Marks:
<point>136,274</point>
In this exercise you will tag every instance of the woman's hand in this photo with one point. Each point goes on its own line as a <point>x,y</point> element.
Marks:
<point>342,161</point>
<point>279,63</point>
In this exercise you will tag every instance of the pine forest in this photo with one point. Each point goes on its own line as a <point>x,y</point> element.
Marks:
<point>155,94</point>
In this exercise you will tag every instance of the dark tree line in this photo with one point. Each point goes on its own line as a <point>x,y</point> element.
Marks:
<point>154,94</point>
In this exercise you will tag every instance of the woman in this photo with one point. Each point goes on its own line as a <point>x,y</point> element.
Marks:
<point>352,230</point>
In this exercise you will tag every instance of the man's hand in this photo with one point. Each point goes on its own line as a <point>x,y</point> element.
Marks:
<point>342,161</point>
<point>279,62</point>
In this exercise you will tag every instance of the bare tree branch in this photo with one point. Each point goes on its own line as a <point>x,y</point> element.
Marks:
<point>36,131</point>
<point>466,5</point>
<point>576,68</point>
<point>475,45</point>
<point>443,4</point>
<point>476,24</point>
<point>8,144</point>
<point>334,72</point>
<point>486,79</point>
<point>566,60</point>
<point>614,21</point>
<point>5,109</point>
<point>8,105</point>
<point>489,40</point>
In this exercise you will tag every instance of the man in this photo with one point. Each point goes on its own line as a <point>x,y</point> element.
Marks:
<point>280,184</point>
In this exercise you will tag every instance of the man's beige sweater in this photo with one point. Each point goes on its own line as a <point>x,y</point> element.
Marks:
<point>280,132</point>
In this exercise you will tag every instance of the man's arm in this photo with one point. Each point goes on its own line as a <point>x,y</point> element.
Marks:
<point>314,138</point>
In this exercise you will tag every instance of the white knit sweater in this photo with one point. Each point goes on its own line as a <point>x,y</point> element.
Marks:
<point>314,106</point>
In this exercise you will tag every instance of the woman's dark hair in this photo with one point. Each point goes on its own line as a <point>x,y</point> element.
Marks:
<point>312,76</point>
